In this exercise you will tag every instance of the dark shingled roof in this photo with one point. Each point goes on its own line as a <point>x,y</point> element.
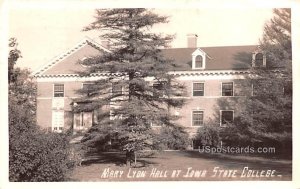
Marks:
<point>219,58</point>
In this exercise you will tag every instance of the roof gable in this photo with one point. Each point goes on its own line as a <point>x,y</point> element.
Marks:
<point>67,63</point>
<point>219,58</point>
<point>198,51</point>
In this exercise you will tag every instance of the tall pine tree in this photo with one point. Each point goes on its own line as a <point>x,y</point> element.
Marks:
<point>276,40</point>
<point>267,119</point>
<point>138,91</point>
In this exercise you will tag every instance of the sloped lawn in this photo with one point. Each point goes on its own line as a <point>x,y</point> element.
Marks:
<point>182,166</point>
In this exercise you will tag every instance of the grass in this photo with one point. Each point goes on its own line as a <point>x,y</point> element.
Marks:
<point>201,167</point>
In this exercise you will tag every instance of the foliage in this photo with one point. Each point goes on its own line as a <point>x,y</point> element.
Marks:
<point>268,112</point>
<point>22,102</point>
<point>276,40</point>
<point>38,156</point>
<point>134,63</point>
<point>209,134</point>
<point>14,55</point>
<point>171,138</point>
<point>33,154</point>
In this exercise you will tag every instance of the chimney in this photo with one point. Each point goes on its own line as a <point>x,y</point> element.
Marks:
<point>192,40</point>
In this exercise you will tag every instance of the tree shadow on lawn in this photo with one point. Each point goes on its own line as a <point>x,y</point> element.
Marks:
<point>283,167</point>
<point>116,158</point>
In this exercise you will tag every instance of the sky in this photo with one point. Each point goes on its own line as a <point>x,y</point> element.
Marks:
<point>44,32</point>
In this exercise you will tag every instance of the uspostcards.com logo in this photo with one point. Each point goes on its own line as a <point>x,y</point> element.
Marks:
<point>236,149</point>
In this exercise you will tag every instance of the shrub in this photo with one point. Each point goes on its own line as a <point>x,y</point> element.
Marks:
<point>33,154</point>
<point>208,135</point>
<point>38,156</point>
<point>171,138</point>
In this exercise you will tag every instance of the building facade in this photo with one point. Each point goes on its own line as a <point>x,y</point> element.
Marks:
<point>214,78</point>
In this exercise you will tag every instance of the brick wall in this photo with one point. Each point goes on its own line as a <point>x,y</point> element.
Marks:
<point>211,103</point>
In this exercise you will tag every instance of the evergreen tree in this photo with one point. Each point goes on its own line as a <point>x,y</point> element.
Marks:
<point>267,118</point>
<point>33,154</point>
<point>138,91</point>
<point>13,56</point>
<point>276,40</point>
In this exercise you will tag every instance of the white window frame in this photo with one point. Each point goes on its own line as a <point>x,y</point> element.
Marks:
<point>198,90</point>
<point>55,128</point>
<point>198,52</point>
<point>222,88</point>
<point>201,67</point>
<point>192,120</point>
<point>254,59</point>
<point>53,89</point>
<point>222,114</point>
<point>81,126</point>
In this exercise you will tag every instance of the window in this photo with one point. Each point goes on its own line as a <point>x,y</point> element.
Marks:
<point>259,60</point>
<point>116,89</point>
<point>57,121</point>
<point>198,59</point>
<point>227,89</point>
<point>198,89</point>
<point>58,90</point>
<point>198,62</point>
<point>197,118</point>
<point>83,120</point>
<point>226,117</point>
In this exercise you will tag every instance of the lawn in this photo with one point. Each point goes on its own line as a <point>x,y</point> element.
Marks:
<point>182,166</point>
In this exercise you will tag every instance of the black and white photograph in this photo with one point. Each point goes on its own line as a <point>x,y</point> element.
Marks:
<point>117,94</point>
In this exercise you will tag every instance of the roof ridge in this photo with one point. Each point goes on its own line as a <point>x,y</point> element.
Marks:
<point>211,47</point>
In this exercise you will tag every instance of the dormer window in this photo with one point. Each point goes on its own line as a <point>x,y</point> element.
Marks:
<point>258,59</point>
<point>198,62</point>
<point>198,59</point>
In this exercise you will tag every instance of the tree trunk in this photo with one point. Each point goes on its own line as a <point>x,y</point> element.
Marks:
<point>134,159</point>
<point>127,158</point>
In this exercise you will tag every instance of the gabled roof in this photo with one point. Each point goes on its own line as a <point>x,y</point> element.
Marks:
<point>67,63</point>
<point>220,58</point>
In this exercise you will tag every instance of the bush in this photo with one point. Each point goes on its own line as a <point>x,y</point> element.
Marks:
<point>33,154</point>
<point>208,135</point>
<point>171,138</point>
<point>38,156</point>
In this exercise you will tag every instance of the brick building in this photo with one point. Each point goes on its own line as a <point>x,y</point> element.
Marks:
<point>214,78</point>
